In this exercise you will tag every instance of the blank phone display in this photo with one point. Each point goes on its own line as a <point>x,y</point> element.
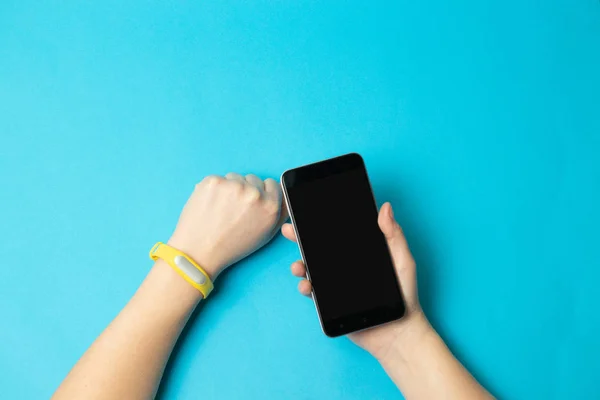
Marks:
<point>344,249</point>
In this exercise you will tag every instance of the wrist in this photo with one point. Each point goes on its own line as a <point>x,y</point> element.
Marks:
<point>169,288</point>
<point>410,335</point>
<point>203,257</point>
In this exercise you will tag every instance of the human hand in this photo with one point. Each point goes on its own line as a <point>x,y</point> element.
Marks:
<point>379,340</point>
<point>228,218</point>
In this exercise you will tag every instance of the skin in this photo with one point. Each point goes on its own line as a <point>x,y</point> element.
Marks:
<point>410,351</point>
<point>227,219</point>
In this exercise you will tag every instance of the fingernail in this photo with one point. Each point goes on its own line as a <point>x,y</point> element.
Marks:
<point>391,212</point>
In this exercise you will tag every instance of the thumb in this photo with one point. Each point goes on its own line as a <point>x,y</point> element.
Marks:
<point>401,256</point>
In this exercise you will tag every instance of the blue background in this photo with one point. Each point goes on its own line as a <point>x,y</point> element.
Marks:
<point>479,120</point>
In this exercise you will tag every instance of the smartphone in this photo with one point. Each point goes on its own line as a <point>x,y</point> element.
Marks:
<point>347,259</point>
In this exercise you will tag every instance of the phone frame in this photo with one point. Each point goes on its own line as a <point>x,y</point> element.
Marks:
<point>354,322</point>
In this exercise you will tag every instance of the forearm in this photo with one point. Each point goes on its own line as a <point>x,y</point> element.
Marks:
<point>128,359</point>
<point>224,220</point>
<point>424,368</point>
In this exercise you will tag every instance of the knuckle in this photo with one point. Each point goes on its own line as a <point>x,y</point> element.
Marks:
<point>236,186</point>
<point>210,180</point>
<point>272,183</point>
<point>252,194</point>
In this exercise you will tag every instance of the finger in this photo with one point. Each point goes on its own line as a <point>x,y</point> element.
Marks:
<point>305,287</point>
<point>298,269</point>
<point>256,182</point>
<point>400,252</point>
<point>390,228</point>
<point>288,232</point>
<point>284,215</point>
<point>273,190</point>
<point>232,176</point>
<point>273,193</point>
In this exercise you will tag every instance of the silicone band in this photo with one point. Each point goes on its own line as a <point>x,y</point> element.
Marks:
<point>187,268</point>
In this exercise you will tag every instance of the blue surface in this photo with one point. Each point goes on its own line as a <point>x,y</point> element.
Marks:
<point>480,121</point>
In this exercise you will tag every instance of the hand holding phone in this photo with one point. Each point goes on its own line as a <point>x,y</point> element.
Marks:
<point>379,339</point>
<point>353,280</point>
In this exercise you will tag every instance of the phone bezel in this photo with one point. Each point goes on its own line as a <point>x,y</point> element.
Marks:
<point>353,322</point>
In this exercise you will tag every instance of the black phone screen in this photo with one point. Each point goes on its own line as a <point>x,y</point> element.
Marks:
<point>346,254</point>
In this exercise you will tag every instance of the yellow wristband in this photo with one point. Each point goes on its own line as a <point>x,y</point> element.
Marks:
<point>187,268</point>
